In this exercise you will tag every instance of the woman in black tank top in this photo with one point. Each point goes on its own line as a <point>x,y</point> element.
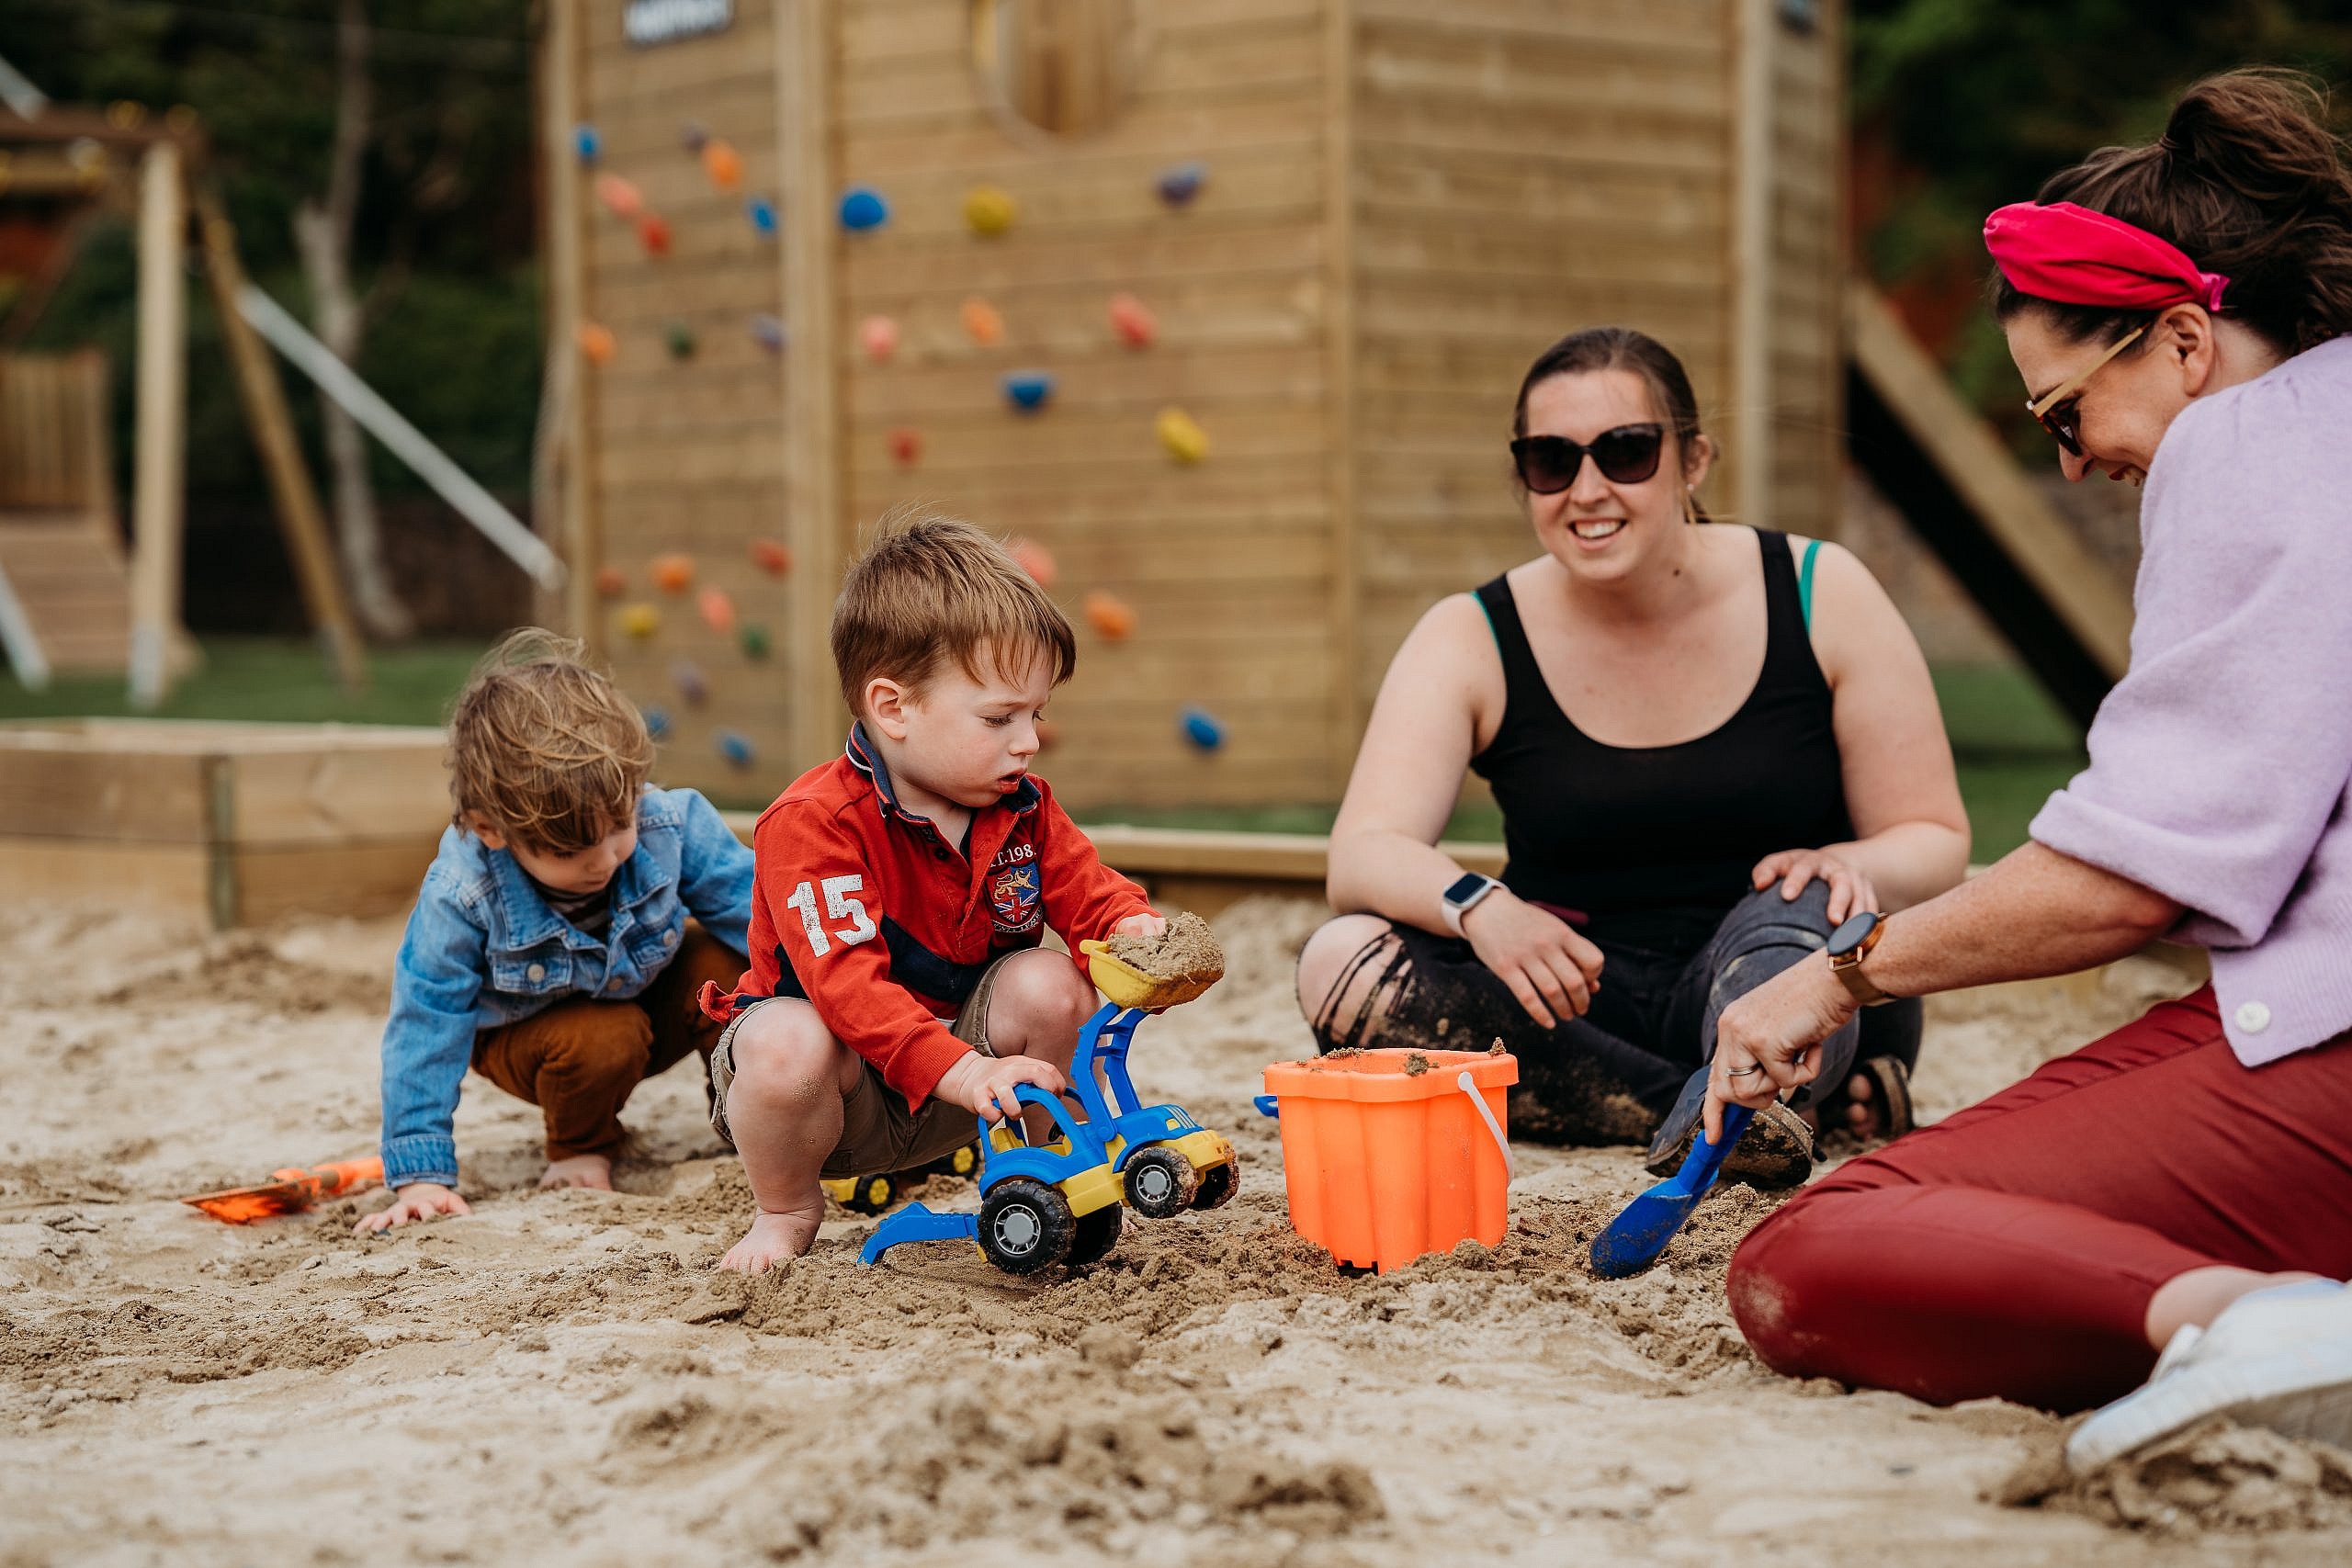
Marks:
<point>1701,829</point>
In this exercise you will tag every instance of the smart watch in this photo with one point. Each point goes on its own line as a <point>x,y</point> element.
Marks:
<point>1463,897</point>
<point>1849,945</point>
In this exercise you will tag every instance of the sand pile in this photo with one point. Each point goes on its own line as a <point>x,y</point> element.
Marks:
<point>1187,950</point>
<point>2215,1477</point>
<point>563,1375</point>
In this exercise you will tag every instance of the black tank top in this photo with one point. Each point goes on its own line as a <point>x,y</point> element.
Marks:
<point>1656,843</point>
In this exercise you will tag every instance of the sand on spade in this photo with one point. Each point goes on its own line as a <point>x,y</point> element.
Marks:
<point>1188,950</point>
<point>568,1367</point>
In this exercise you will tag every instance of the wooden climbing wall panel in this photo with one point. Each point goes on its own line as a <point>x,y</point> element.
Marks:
<point>1521,170</point>
<point>1227,563</point>
<point>685,451</point>
<point>1806,420</point>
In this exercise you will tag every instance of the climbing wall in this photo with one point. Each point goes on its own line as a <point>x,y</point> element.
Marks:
<point>1217,308</point>
<point>678,498</point>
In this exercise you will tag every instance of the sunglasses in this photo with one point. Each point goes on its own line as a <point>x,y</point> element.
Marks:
<point>2059,411</point>
<point>1627,455</point>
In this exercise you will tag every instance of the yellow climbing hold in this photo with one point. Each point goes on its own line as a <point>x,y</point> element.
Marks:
<point>640,621</point>
<point>1183,436</point>
<point>990,209</point>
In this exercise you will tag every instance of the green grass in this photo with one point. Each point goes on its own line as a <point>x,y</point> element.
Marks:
<point>269,678</point>
<point>2013,745</point>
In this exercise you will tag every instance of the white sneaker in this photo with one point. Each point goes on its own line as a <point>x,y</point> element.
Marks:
<point>2280,1358</point>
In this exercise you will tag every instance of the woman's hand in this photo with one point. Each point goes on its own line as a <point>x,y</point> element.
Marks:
<point>1551,969</point>
<point>417,1201</point>
<point>1764,1041</point>
<point>1849,890</point>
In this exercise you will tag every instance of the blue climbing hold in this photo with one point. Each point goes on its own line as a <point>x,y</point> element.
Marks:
<point>657,723</point>
<point>586,143</point>
<point>862,208</point>
<point>1202,730</point>
<point>1028,390</point>
<point>736,747</point>
<point>1180,184</point>
<point>761,212</point>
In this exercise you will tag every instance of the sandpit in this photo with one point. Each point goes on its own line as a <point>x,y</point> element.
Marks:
<point>561,1376</point>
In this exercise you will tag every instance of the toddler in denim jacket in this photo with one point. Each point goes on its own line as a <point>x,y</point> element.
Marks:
<point>550,949</point>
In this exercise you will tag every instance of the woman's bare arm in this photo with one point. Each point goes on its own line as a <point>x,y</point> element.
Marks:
<point>1910,830</point>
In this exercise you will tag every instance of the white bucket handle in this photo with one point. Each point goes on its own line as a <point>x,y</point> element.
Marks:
<point>1479,1101</point>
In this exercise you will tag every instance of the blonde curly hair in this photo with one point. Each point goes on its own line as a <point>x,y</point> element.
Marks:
<point>544,749</point>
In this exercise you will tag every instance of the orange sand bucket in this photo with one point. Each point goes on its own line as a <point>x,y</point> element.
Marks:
<point>1387,1158</point>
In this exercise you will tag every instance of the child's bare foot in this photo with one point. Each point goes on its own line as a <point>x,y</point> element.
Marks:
<point>581,1170</point>
<point>772,1238</point>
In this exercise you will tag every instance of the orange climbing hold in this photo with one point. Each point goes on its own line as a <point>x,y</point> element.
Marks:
<point>878,335</point>
<point>717,610</point>
<point>982,323</point>
<point>1111,615</point>
<point>1133,321</point>
<point>721,162</point>
<point>1036,559</point>
<point>596,342</point>
<point>771,556</point>
<point>653,235</point>
<point>611,581</point>
<point>673,574</point>
<point>906,446</point>
<point>621,198</point>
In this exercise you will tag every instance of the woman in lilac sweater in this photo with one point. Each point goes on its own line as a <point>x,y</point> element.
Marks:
<point>2179,312</point>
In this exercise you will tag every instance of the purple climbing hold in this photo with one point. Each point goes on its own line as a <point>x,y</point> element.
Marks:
<point>1180,184</point>
<point>768,331</point>
<point>689,678</point>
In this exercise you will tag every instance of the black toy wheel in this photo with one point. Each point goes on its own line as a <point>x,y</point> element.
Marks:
<point>1098,1233</point>
<point>963,1162</point>
<point>871,1194</point>
<point>1219,1184</point>
<point>1159,1184</point>
<point>1025,1225</point>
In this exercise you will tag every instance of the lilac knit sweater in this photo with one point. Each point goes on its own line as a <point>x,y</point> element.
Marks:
<point>2220,764</point>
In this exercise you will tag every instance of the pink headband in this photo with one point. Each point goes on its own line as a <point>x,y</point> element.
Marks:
<point>2075,256</point>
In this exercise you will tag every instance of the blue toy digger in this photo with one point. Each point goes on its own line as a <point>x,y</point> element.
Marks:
<point>1062,1201</point>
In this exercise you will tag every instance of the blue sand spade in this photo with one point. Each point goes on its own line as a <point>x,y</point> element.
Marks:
<point>1640,1232</point>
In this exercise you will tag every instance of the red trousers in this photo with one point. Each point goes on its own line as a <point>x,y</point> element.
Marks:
<point>2010,1250</point>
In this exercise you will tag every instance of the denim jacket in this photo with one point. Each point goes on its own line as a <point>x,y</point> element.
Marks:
<point>483,949</point>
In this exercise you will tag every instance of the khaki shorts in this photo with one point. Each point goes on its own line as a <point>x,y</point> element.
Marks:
<point>879,1132</point>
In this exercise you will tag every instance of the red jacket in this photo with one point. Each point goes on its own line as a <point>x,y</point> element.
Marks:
<point>841,864</point>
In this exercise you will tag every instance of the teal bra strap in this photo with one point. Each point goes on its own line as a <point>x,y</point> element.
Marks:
<point>1804,582</point>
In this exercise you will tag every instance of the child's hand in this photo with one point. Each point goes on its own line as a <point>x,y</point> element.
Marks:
<point>417,1200</point>
<point>984,1085</point>
<point>1141,925</point>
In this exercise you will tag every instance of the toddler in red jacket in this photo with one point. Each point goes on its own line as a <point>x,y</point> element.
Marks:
<point>897,985</point>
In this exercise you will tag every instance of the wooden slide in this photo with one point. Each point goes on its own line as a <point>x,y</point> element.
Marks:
<point>1964,495</point>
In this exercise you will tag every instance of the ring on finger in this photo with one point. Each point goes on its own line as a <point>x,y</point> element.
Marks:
<point>1743,1072</point>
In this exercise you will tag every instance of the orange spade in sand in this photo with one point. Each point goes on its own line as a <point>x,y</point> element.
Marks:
<point>290,1190</point>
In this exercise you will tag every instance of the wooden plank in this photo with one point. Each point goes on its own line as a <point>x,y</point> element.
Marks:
<point>877,32</point>
<point>1754,160</point>
<point>338,795</point>
<point>1132,261</point>
<point>1973,461</point>
<point>64,792</point>
<point>1204,132</point>
<point>157,879</point>
<point>158,470</point>
<point>1342,62</point>
<point>352,881</point>
<point>1694,25</point>
<point>1111,377</point>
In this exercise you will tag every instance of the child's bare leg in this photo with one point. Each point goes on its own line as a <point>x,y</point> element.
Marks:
<point>784,1108</point>
<point>581,1170</point>
<point>1036,1006</point>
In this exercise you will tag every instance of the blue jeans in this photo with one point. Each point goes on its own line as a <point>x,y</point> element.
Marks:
<point>1610,1075</point>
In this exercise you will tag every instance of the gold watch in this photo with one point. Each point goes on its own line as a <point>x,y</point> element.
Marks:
<point>1849,945</point>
